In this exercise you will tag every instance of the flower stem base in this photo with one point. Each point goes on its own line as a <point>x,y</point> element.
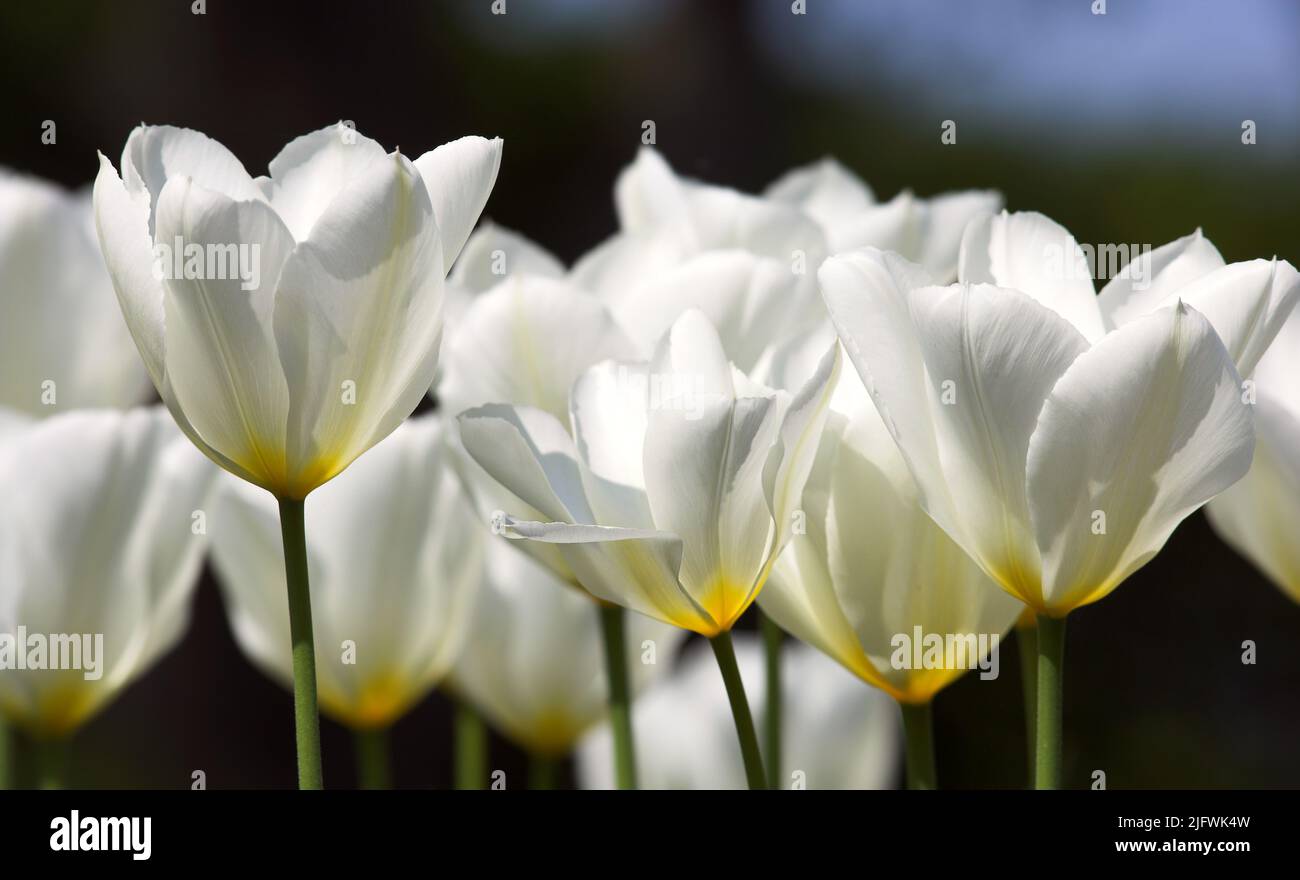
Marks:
<point>471,749</point>
<point>749,750</point>
<point>918,729</point>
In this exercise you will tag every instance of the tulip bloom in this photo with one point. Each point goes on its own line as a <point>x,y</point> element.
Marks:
<point>677,490</point>
<point>289,322</point>
<point>63,344</point>
<point>1258,517</point>
<point>534,659</point>
<point>746,262</point>
<point>1058,454</point>
<point>100,552</point>
<point>395,556</point>
<point>874,577</point>
<point>924,231</point>
<point>837,736</point>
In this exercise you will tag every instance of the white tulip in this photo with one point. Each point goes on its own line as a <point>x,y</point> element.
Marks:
<point>63,343</point>
<point>395,558</point>
<point>837,734</point>
<point>100,549</point>
<point>1061,462</point>
<point>679,485</point>
<point>297,318</point>
<point>925,231</point>
<point>1260,515</point>
<point>872,566</point>
<point>533,661</point>
<point>746,262</point>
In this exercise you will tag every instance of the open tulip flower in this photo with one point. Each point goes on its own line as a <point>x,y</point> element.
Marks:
<point>289,322</point>
<point>676,491</point>
<point>746,262</point>
<point>101,542</point>
<point>1059,448</point>
<point>303,323</point>
<point>51,269</point>
<point>396,558</point>
<point>835,735</point>
<point>873,580</point>
<point>534,661</point>
<point>1260,516</point>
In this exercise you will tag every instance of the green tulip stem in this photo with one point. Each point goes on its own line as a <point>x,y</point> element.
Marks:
<point>471,748</point>
<point>749,750</point>
<point>918,730</point>
<point>306,715</point>
<point>51,762</point>
<point>1027,642</point>
<point>612,627</point>
<point>543,772</point>
<point>374,765</point>
<point>1049,726</point>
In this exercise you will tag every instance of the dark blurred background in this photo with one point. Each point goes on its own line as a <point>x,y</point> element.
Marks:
<point>1125,127</point>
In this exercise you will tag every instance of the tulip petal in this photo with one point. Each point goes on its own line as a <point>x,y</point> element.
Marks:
<point>705,453</point>
<point>992,357</point>
<point>493,252</point>
<point>221,356</point>
<point>52,269</point>
<point>525,342</point>
<point>1031,253</point>
<point>122,220</point>
<point>801,430</point>
<point>946,217</point>
<point>459,177</point>
<point>749,299</point>
<point>1144,428</point>
<point>358,319</point>
<point>1146,283</point>
<point>1257,515</point>
<point>155,154</point>
<point>649,197</point>
<point>529,452</point>
<point>867,294</point>
<point>624,262</point>
<point>312,169</point>
<point>636,568</point>
<point>894,569</point>
<point>800,595</point>
<point>1246,303</point>
<point>895,226</point>
<point>827,191</point>
<point>609,412</point>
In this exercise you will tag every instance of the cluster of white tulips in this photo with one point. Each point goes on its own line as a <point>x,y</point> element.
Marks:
<point>900,428</point>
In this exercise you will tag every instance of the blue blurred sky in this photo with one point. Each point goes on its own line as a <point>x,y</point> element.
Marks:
<point>1185,71</point>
